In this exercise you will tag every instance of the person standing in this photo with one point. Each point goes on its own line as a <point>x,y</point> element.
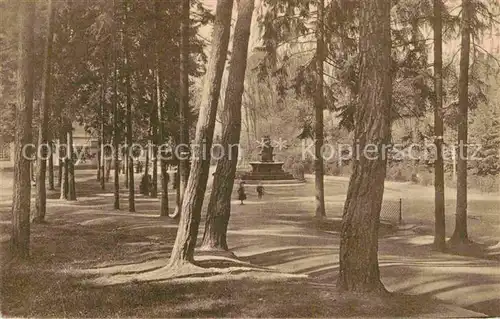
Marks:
<point>260,190</point>
<point>241,193</point>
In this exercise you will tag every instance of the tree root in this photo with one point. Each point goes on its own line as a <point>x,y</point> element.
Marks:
<point>183,271</point>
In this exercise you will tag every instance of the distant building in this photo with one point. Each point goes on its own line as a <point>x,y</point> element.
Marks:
<point>81,140</point>
<point>6,154</point>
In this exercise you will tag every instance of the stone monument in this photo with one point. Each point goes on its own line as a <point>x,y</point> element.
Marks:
<point>267,169</point>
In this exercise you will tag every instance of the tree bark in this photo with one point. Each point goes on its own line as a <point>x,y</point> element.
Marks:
<point>51,168</point>
<point>71,167</point>
<point>98,172</point>
<point>130,162</point>
<point>154,187</point>
<point>184,102</point>
<point>63,162</point>
<point>60,172</point>
<point>102,160</point>
<point>154,149</point>
<point>59,158</point>
<point>146,162</point>
<point>359,270</point>
<point>319,105</point>
<point>116,137</point>
<point>219,207</point>
<point>177,185</point>
<point>41,196</point>
<point>147,188</point>
<point>247,122</point>
<point>125,167</point>
<point>192,201</point>
<point>164,189</point>
<point>161,139</point>
<point>439,213</point>
<point>20,236</point>
<point>160,125</point>
<point>460,235</point>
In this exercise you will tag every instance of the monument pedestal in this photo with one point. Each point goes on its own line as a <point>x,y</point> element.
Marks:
<point>267,171</point>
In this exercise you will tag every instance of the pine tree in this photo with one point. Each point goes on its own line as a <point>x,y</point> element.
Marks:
<point>460,235</point>
<point>219,207</point>
<point>183,250</point>
<point>184,166</point>
<point>319,106</point>
<point>20,236</point>
<point>41,199</point>
<point>440,226</point>
<point>359,269</point>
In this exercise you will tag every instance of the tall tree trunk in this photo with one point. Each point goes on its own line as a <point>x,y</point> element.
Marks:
<point>41,196</point>
<point>164,188</point>
<point>247,122</point>
<point>177,183</point>
<point>417,98</point>
<point>161,140</point>
<point>184,101</point>
<point>125,167</point>
<point>154,186</point>
<point>359,270</point>
<point>71,167</point>
<point>154,117</point>
<point>460,235</point>
<point>20,236</point>
<point>219,207</point>
<point>146,166</point>
<point>102,162</point>
<point>51,167</point>
<point>60,164</point>
<point>63,162</point>
<point>130,162</point>
<point>160,127</point>
<point>319,105</point>
<point>192,201</point>
<point>154,150</point>
<point>440,226</point>
<point>107,168</point>
<point>146,189</point>
<point>116,136</point>
<point>60,161</point>
<point>98,161</point>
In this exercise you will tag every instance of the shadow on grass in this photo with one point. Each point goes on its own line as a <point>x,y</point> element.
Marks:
<point>89,234</point>
<point>53,294</point>
<point>325,224</point>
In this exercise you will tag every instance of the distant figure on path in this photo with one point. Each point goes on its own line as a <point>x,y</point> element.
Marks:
<point>260,190</point>
<point>241,193</point>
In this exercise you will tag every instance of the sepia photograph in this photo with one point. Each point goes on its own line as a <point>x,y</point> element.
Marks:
<point>250,158</point>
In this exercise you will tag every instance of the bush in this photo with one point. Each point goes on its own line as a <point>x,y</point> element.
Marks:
<point>298,171</point>
<point>487,184</point>
<point>331,168</point>
<point>426,178</point>
<point>398,173</point>
<point>294,162</point>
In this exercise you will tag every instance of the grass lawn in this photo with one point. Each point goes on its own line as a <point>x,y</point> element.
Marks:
<point>47,286</point>
<point>92,261</point>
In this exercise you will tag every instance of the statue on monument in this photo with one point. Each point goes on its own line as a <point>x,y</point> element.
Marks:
<point>267,169</point>
<point>267,150</point>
